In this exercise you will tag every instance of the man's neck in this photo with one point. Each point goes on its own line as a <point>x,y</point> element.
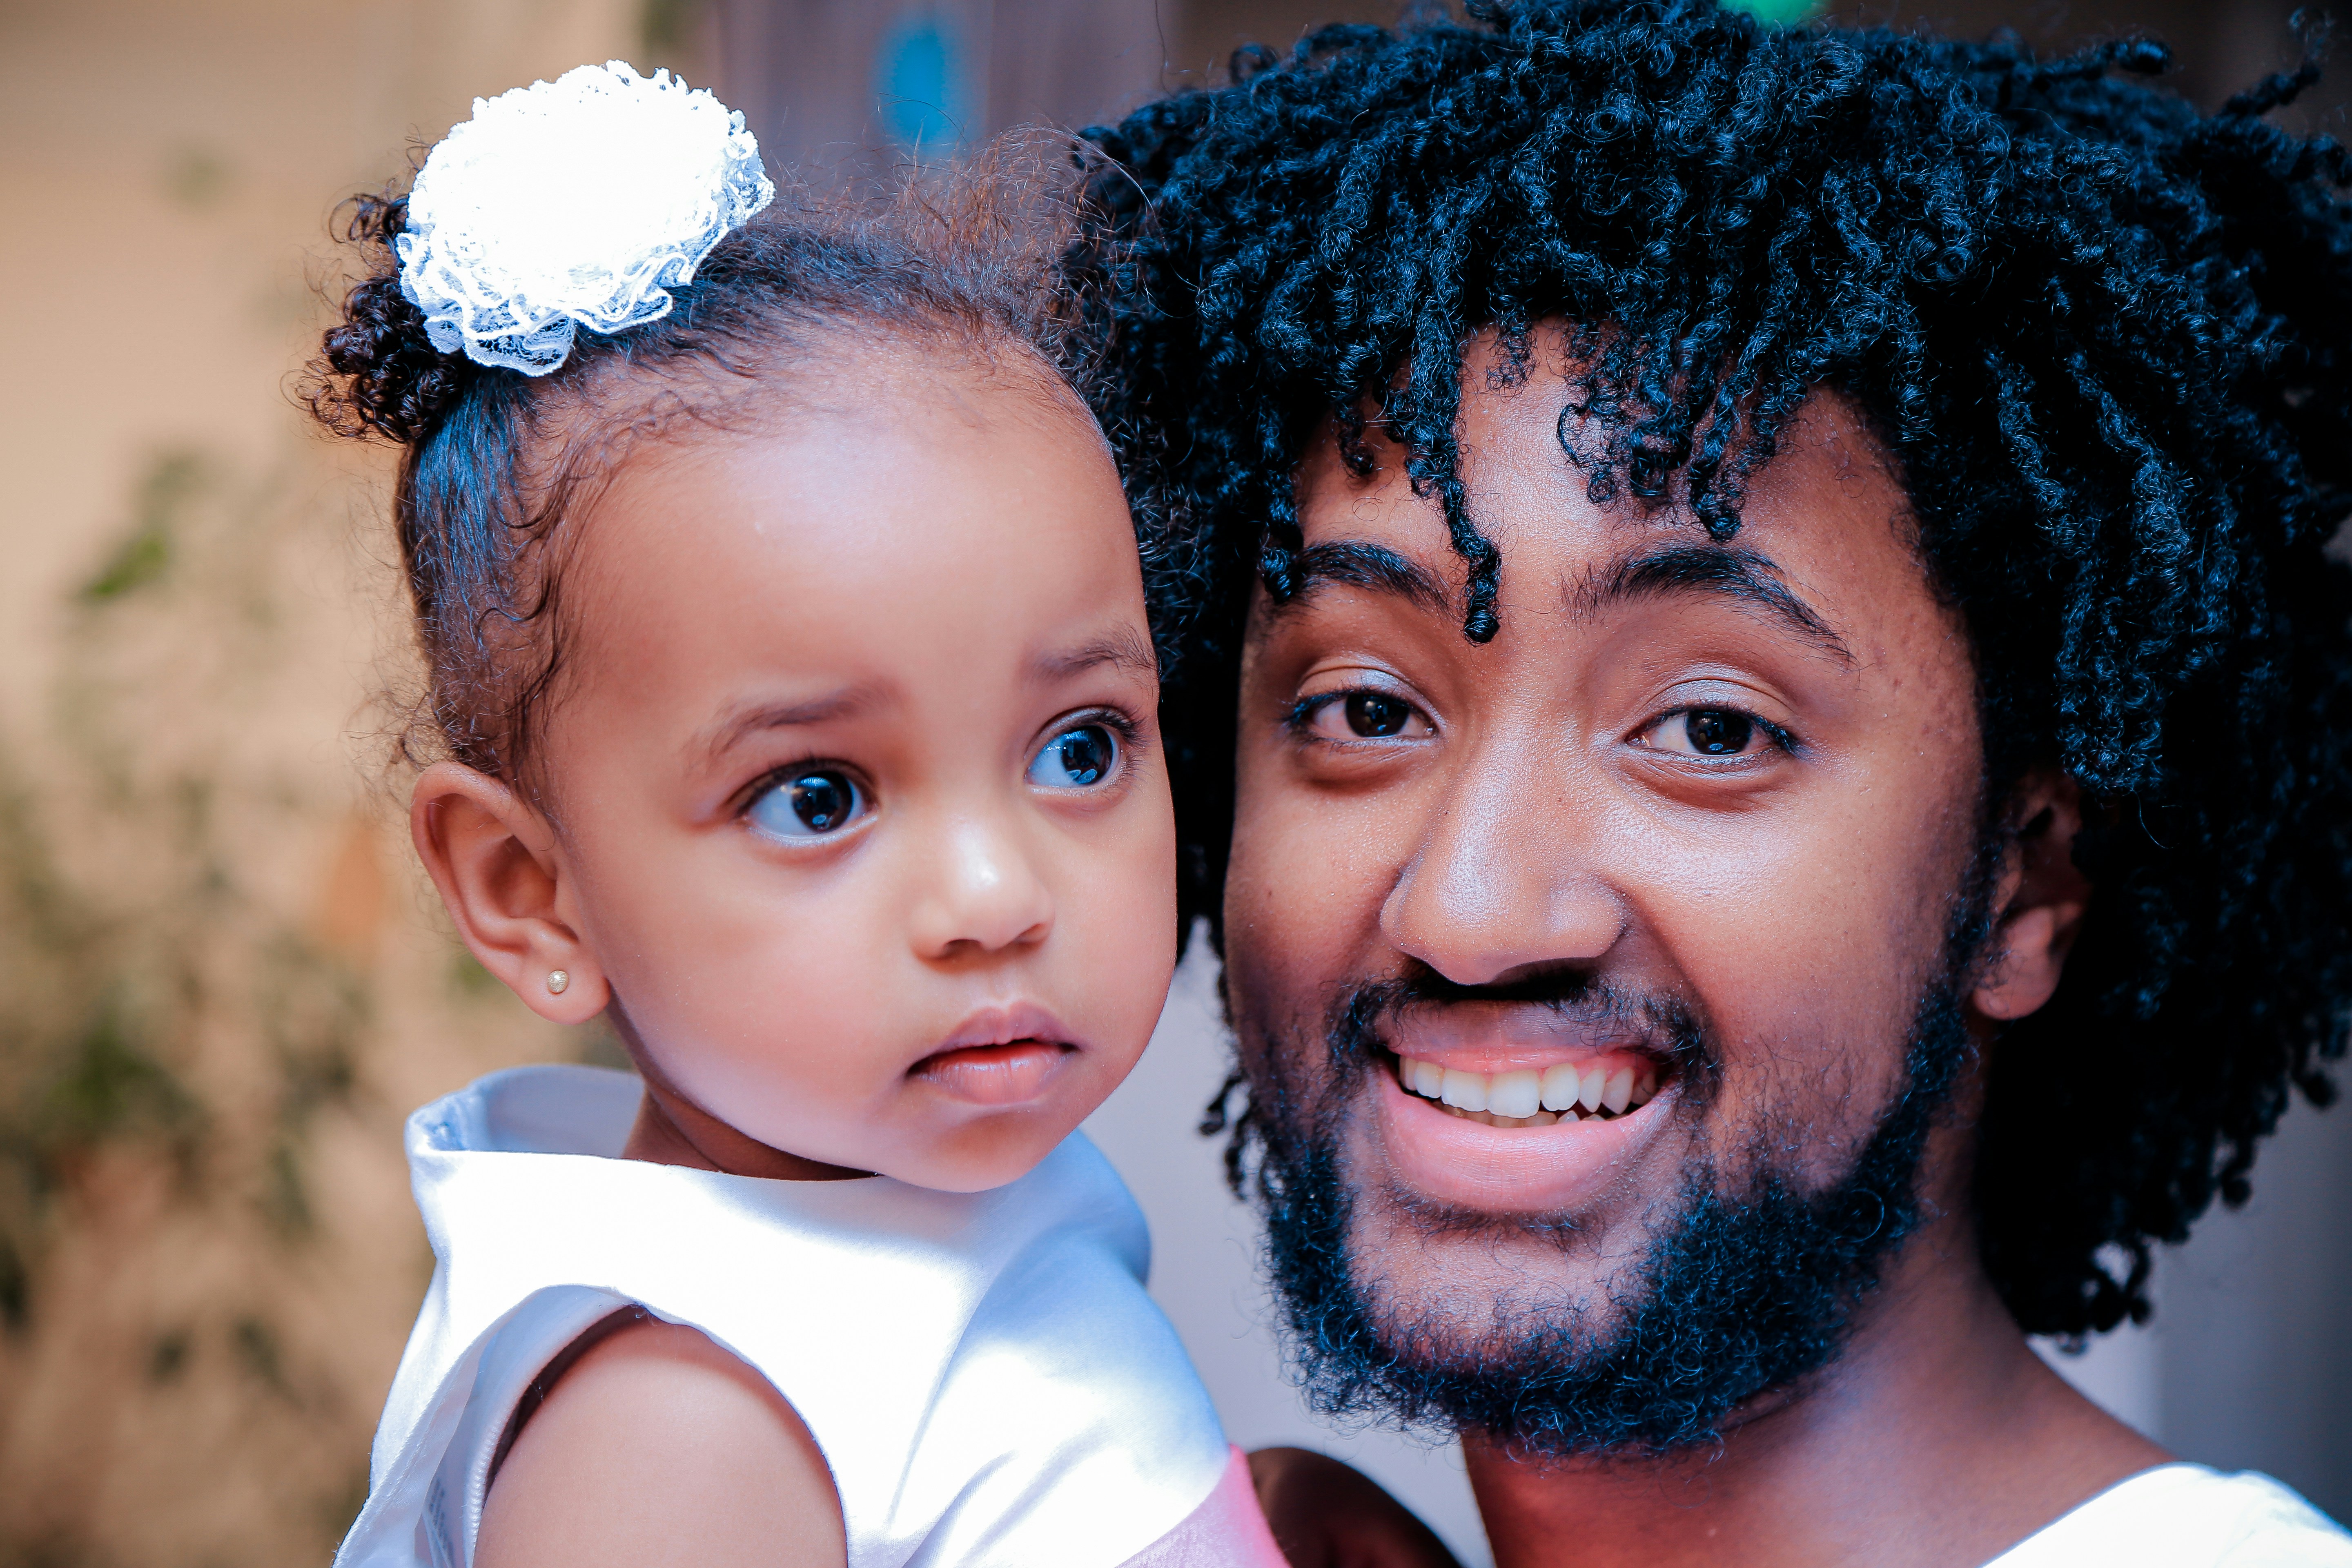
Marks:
<point>1937,1440</point>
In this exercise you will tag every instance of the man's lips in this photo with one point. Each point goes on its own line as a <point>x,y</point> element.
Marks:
<point>1605,1085</point>
<point>1489,1037</point>
<point>1516,1107</point>
<point>999,1055</point>
<point>1548,1163</point>
<point>1518,1062</point>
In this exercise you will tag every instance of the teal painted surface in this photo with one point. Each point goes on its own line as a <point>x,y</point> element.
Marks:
<point>920,85</point>
<point>1782,13</point>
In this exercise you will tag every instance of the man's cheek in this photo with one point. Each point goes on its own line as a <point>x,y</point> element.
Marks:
<point>1807,976</point>
<point>1287,902</point>
<point>1316,870</point>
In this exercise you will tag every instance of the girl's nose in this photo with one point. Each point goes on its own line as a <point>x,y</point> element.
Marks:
<point>982,895</point>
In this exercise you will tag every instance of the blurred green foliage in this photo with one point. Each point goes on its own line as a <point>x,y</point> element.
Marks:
<point>196,177</point>
<point>665,28</point>
<point>169,484</point>
<point>160,1007</point>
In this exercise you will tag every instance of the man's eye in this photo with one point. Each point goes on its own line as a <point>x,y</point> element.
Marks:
<point>808,807</point>
<point>1363,716</point>
<point>1375,716</point>
<point>1706,732</point>
<point>1080,758</point>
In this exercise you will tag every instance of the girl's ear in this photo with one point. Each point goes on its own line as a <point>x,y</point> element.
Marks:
<point>502,875</point>
<point>2040,901</point>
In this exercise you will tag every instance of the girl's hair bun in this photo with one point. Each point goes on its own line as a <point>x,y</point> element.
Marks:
<point>377,372</point>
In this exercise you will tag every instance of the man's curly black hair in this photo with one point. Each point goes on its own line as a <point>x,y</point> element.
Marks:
<point>2107,338</point>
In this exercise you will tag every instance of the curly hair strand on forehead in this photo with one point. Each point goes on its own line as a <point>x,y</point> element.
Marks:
<point>2106,338</point>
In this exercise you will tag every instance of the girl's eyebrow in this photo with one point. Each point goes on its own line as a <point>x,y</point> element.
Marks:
<point>1125,649</point>
<point>735,723</point>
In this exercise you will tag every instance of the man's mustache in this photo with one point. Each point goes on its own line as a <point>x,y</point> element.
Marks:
<point>1663,1025</point>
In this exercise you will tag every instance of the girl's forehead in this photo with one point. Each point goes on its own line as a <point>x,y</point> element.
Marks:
<point>899,545</point>
<point>856,374</point>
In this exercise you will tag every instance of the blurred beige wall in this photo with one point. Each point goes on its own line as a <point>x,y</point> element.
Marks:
<point>221,985</point>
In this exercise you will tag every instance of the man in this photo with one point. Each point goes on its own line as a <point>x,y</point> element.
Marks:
<point>1761,636</point>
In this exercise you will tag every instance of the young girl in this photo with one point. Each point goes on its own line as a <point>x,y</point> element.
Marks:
<point>794,702</point>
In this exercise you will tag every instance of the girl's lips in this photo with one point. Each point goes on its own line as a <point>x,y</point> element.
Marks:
<point>996,1075</point>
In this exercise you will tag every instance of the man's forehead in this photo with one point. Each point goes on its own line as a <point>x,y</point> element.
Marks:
<point>1824,529</point>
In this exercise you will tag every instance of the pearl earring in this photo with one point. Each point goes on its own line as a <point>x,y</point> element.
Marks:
<point>558,982</point>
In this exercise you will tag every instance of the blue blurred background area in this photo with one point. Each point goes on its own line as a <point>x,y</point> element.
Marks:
<point>222,983</point>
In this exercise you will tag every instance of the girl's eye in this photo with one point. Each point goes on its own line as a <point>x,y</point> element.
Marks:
<point>1080,758</point>
<point>1706,732</point>
<point>808,806</point>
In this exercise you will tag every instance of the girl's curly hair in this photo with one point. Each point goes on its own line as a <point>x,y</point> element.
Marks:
<point>2107,338</point>
<point>494,462</point>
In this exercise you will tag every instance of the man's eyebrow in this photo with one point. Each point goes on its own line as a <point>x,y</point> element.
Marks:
<point>1359,563</point>
<point>735,724</point>
<point>1125,649</point>
<point>1742,575</point>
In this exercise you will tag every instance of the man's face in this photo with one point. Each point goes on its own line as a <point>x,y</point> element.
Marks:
<point>1657,888</point>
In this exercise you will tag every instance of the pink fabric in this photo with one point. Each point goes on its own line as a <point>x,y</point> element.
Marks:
<point>1226,1532</point>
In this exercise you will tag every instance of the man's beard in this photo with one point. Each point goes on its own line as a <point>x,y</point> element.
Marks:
<point>1741,1290</point>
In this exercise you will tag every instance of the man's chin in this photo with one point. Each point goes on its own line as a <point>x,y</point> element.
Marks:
<point>1540,1339</point>
<point>1633,1318</point>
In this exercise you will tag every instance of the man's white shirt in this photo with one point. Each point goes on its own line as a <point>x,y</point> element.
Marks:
<point>2187,1516</point>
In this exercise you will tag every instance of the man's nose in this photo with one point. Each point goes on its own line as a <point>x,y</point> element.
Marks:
<point>1501,879</point>
<point>981,892</point>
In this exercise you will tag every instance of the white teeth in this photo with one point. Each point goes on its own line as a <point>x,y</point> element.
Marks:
<point>1463,1090</point>
<point>1517,1094</point>
<point>1525,1097</point>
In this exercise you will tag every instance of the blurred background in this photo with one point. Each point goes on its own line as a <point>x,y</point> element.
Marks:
<point>222,982</point>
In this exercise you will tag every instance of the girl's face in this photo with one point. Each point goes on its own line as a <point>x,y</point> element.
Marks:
<point>857,806</point>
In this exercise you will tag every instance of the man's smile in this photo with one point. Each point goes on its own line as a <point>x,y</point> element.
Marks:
<point>1604,1087</point>
<point>1454,1148</point>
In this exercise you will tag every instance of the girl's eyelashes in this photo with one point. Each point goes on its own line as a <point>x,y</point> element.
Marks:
<point>1714,734</point>
<point>811,800</point>
<point>1084,755</point>
<point>806,801</point>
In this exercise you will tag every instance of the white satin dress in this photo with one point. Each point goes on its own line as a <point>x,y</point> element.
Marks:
<point>983,1372</point>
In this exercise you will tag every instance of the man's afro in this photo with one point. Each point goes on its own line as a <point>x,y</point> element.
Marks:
<point>2107,338</point>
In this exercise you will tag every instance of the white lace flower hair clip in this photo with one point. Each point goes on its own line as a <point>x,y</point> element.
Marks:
<point>576,203</point>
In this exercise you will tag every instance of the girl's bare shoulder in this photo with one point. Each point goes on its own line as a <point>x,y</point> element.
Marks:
<point>656,1446</point>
